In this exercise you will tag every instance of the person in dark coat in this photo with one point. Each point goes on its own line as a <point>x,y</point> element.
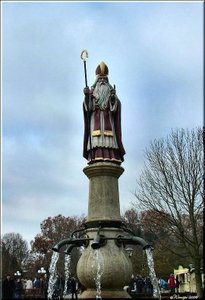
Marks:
<point>148,286</point>
<point>37,283</point>
<point>18,292</point>
<point>8,287</point>
<point>58,287</point>
<point>177,284</point>
<point>140,284</point>
<point>73,288</point>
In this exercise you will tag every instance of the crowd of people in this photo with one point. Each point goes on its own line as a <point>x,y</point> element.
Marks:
<point>12,288</point>
<point>143,285</point>
<point>16,287</point>
<point>72,287</point>
<point>140,285</point>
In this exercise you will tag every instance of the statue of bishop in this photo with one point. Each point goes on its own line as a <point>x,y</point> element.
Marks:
<point>102,121</point>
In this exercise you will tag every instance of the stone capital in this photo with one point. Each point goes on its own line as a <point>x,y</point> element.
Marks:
<point>103,169</point>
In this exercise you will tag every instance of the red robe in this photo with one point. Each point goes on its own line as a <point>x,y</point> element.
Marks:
<point>103,153</point>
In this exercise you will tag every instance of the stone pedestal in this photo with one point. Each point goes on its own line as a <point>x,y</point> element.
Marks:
<point>110,261</point>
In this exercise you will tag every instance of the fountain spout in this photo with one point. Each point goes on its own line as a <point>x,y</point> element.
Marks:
<point>133,240</point>
<point>71,241</point>
<point>98,242</point>
<point>70,248</point>
<point>140,241</point>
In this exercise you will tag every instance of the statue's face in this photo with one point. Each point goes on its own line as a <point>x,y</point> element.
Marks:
<point>101,92</point>
<point>102,80</point>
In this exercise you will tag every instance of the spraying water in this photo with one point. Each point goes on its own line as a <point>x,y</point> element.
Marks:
<point>67,272</point>
<point>152,274</point>
<point>97,264</point>
<point>82,249</point>
<point>52,271</point>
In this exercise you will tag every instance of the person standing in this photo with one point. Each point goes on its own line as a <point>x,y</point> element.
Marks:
<point>42,288</point>
<point>29,284</point>
<point>148,287</point>
<point>73,288</point>
<point>36,283</point>
<point>102,121</point>
<point>177,284</point>
<point>28,288</point>
<point>18,292</point>
<point>140,284</point>
<point>162,284</point>
<point>8,287</point>
<point>172,283</point>
<point>45,286</point>
<point>132,284</point>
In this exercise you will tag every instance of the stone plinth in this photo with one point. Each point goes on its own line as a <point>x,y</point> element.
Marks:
<point>103,201</point>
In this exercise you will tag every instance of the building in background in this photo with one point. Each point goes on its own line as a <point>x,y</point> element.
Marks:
<point>186,277</point>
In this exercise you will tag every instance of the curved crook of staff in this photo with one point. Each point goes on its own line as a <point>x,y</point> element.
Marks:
<point>84,56</point>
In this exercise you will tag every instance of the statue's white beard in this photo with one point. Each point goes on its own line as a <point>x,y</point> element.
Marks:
<point>101,94</point>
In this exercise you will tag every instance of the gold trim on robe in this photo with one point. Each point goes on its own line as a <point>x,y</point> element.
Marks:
<point>108,132</point>
<point>96,133</point>
<point>107,159</point>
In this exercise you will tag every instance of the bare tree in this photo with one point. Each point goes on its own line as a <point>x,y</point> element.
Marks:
<point>14,251</point>
<point>171,185</point>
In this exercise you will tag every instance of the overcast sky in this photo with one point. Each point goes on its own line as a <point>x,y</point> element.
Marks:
<point>154,52</point>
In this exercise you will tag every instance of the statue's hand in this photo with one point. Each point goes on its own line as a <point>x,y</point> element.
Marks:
<point>112,96</point>
<point>112,93</point>
<point>86,91</point>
